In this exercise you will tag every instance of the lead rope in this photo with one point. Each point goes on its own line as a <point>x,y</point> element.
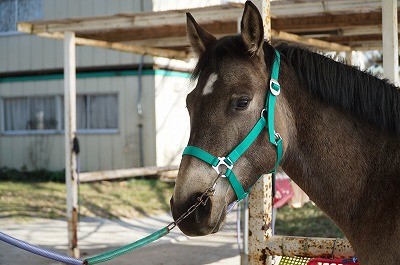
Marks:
<point>109,255</point>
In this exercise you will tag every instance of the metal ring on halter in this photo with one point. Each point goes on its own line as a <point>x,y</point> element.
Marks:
<point>274,91</point>
<point>222,162</point>
<point>262,113</point>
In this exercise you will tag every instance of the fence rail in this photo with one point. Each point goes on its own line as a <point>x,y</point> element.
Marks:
<point>124,173</point>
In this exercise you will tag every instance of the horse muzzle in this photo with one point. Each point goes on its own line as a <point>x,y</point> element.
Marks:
<point>202,221</point>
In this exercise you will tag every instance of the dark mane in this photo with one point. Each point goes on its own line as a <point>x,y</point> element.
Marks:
<point>346,87</point>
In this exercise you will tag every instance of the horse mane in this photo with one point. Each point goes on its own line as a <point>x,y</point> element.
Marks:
<point>335,83</point>
<point>346,87</point>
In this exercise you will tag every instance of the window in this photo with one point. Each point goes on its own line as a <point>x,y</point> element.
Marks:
<point>45,114</point>
<point>13,11</point>
<point>30,114</point>
<point>97,112</point>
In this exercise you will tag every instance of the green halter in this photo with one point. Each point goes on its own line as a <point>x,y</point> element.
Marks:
<point>274,138</point>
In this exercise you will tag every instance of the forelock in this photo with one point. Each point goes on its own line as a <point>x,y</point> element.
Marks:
<point>209,61</point>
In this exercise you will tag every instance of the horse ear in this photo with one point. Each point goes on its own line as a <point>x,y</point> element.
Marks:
<point>252,28</point>
<point>199,38</point>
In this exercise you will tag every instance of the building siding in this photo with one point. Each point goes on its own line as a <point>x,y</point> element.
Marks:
<point>165,119</point>
<point>23,52</point>
<point>99,151</point>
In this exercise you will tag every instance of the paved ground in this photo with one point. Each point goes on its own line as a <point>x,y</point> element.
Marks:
<point>98,235</point>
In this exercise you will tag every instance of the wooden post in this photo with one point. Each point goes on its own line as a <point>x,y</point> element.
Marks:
<point>390,40</point>
<point>349,57</point>
<point>71,174</point>
<point>260,200</point>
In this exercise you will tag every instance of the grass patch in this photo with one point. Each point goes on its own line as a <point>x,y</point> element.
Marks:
<point>107,199</point>
<point>306,221</point>
<point>133,198</point>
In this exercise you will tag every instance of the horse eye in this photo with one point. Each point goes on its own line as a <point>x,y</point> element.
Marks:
<point>242,103</point>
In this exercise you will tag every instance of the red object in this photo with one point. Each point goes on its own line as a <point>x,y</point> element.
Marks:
<point>320,261</point>
<point>283,192</point>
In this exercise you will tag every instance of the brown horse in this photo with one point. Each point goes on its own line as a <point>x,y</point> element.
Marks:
<point>340,129</point>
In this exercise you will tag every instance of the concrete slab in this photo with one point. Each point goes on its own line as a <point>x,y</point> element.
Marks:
<point>99,235</point>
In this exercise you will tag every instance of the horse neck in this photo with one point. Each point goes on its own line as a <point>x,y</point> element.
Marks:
<point>341,161</point>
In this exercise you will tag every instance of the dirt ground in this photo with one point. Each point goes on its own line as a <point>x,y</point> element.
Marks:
<point>98,235</point>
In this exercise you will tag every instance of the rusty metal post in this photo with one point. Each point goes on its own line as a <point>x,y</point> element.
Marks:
<point>260,220</point>
<point>260,201</point>
<point>71,174</point>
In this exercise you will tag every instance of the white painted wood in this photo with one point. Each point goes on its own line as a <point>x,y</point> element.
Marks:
<point>349,57</point>
<point>390,40</point>
<point>71,176</point>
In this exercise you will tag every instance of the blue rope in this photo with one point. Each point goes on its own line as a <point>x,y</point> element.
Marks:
<point>39,251</point>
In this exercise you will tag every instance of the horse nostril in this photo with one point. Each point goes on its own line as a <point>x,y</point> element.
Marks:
<point>203,211</point>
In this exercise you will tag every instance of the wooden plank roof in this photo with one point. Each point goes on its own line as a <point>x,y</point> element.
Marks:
<point>329,25</point>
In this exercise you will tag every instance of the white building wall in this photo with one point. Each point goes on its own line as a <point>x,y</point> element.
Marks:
<point>172,117</point>
<point>98,151</point>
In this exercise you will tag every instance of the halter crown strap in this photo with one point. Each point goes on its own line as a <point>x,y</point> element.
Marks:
<point>238,151</point>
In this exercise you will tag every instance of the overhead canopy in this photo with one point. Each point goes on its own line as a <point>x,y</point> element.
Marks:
<point>337,25</point>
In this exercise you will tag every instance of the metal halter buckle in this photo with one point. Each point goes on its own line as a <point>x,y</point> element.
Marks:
<point>277,136</point>
<point>273,90</point>
<point>222,162</point>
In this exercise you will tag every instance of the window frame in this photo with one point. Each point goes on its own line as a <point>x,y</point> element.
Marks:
<point>60,116</point>
<point>89,130</point>
<point>28,131</point>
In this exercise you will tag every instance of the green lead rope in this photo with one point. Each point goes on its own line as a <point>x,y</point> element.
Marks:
<point>109,255</point>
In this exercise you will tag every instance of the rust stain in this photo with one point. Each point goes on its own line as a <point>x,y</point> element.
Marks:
<point>263,257</point>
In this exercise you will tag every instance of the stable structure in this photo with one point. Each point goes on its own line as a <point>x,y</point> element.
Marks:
<point>325,25</point>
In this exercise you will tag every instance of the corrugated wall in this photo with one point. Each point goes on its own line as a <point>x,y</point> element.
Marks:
<point>21,52</point>
<point>26,52</point>
<point>99,151</point>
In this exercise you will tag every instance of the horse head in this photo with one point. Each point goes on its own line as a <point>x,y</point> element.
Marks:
<point>233,76</point>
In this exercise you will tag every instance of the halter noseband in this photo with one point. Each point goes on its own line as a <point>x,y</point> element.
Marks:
<point>274,138</point>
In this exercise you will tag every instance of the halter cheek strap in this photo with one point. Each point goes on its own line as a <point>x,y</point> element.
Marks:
<point>274,138</point>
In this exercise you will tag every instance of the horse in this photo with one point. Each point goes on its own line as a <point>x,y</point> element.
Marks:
<point>339,128</point>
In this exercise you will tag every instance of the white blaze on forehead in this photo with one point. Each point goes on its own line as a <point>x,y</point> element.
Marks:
<point>208,88</point>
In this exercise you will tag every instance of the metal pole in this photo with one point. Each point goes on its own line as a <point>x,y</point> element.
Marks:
<point>260,200</point>
<point>390,41</point>
<point>71,175</point>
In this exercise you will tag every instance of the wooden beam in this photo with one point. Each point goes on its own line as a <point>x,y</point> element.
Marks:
<point>310,41</point>
<point>326,22</point>
<point>321,8</point>
<point>135,20</point>
<point>143,50</point>
<point>124,173</point>
<point>164,31</point>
